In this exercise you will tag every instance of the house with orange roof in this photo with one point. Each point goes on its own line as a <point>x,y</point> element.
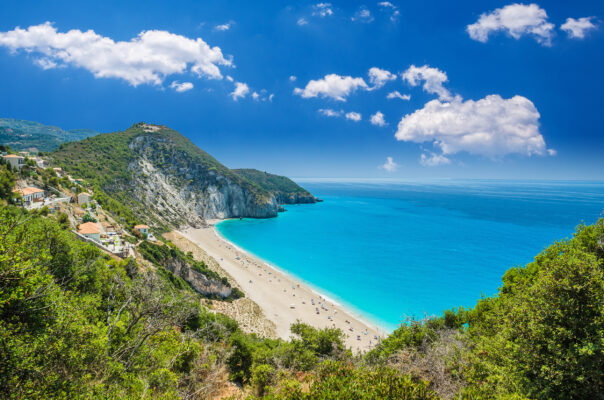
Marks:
<point>142,229</point>
<point>30,195</point>
<point>91,230</point>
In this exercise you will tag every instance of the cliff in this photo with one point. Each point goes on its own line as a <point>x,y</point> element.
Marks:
<point>284,189</point>
<point>163,177</point>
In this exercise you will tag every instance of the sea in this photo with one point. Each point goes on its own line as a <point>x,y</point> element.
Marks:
<point>391,251</point>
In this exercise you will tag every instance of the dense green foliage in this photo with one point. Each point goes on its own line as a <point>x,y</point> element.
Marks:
<point>25,135</point>
<point>7,181</point>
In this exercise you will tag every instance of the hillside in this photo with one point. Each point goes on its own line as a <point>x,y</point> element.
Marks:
<point>163,177</point>
<point>75,323</point>
<point>33,136</point>
<point>285,190</point>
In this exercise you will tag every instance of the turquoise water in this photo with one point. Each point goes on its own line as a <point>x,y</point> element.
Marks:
<point>409,249</point>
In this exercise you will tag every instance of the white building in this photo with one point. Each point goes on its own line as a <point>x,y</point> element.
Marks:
<point>30,194</point>
<point>14,161</point>
<point>84,198</point>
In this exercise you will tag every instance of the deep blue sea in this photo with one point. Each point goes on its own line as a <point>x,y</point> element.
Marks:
<point>396,250</point>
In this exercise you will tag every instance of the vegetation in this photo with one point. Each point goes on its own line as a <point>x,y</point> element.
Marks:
<point>162,256</point>
<point>281,186</point>
<point>76,324</point>
<point>27,135</point>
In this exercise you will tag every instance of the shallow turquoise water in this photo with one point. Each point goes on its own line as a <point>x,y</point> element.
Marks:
<point>397,250</point>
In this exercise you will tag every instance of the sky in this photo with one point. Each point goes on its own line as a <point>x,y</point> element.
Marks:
<point>372,90</point>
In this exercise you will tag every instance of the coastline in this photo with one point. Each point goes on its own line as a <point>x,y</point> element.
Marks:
<point>283,297</point>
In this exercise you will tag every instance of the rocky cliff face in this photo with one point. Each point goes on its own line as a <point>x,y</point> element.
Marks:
<point>296,198</point>
<point>198,281</point>
<point>177,188</point>
<point>166,181</point>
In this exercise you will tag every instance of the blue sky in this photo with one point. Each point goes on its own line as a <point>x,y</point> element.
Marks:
<point>497,89</point>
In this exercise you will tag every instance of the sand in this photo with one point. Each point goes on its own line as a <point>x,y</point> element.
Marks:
<point>282,298</point>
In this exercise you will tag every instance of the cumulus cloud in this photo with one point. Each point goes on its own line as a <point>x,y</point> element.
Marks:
<point>353,116</point>
<point>378,119</point>
<point>389,165</point>
<point>181,87</point>
<point>492,126</point>
<point>302,22</point>
<point>255,96</point>
<point>378,77</point>
<point>146,59</point>
<point>516,20</point>
<point>328,112</point>
<point>397,95</point>
<point>322,10</point>
<point>386,5</point>
<point>363,15</point>
<point>223,27</point>
<point>430,159</point>
<point>45,63</point>
<point>433,79</point>
<point>241,90</point>
<point>332,86</point>
<point>576,28</point>
<point>292,78</point>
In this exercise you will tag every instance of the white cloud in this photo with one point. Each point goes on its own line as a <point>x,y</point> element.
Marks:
<point>430,159</point>
<point>292,78</point>
<point>516,20</point>
<point>241,90</point>
<point>322,10</point>
<point>378,119</point>
<point>363,15</point>
<point>229,78</point>
<point>353,116</point>
<point>576,28</point>
<point>397,95</point>
<point>255,96</point>
<point>386,4</point>
<point>328,112</point>
<point>45,63</point>
<point>378,77</point>
<point>270,98</point>
<point>333,86</point>
<point>492,126</point>
<point>389,165</point>
<point>181,87</point>
<point>433,80</point>
<point>552,152</point>
<point>146,59</point>
<point>302,22</point>
<point>223,27</point>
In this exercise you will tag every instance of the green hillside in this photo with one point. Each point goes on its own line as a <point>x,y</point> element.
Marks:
<point>283,187</point>
<point>33,136</point>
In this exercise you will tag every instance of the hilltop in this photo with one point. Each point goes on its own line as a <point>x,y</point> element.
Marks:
<point>34,136</point>
<point>162,176</point>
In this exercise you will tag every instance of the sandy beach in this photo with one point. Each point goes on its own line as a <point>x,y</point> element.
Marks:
<point>282,298</point>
